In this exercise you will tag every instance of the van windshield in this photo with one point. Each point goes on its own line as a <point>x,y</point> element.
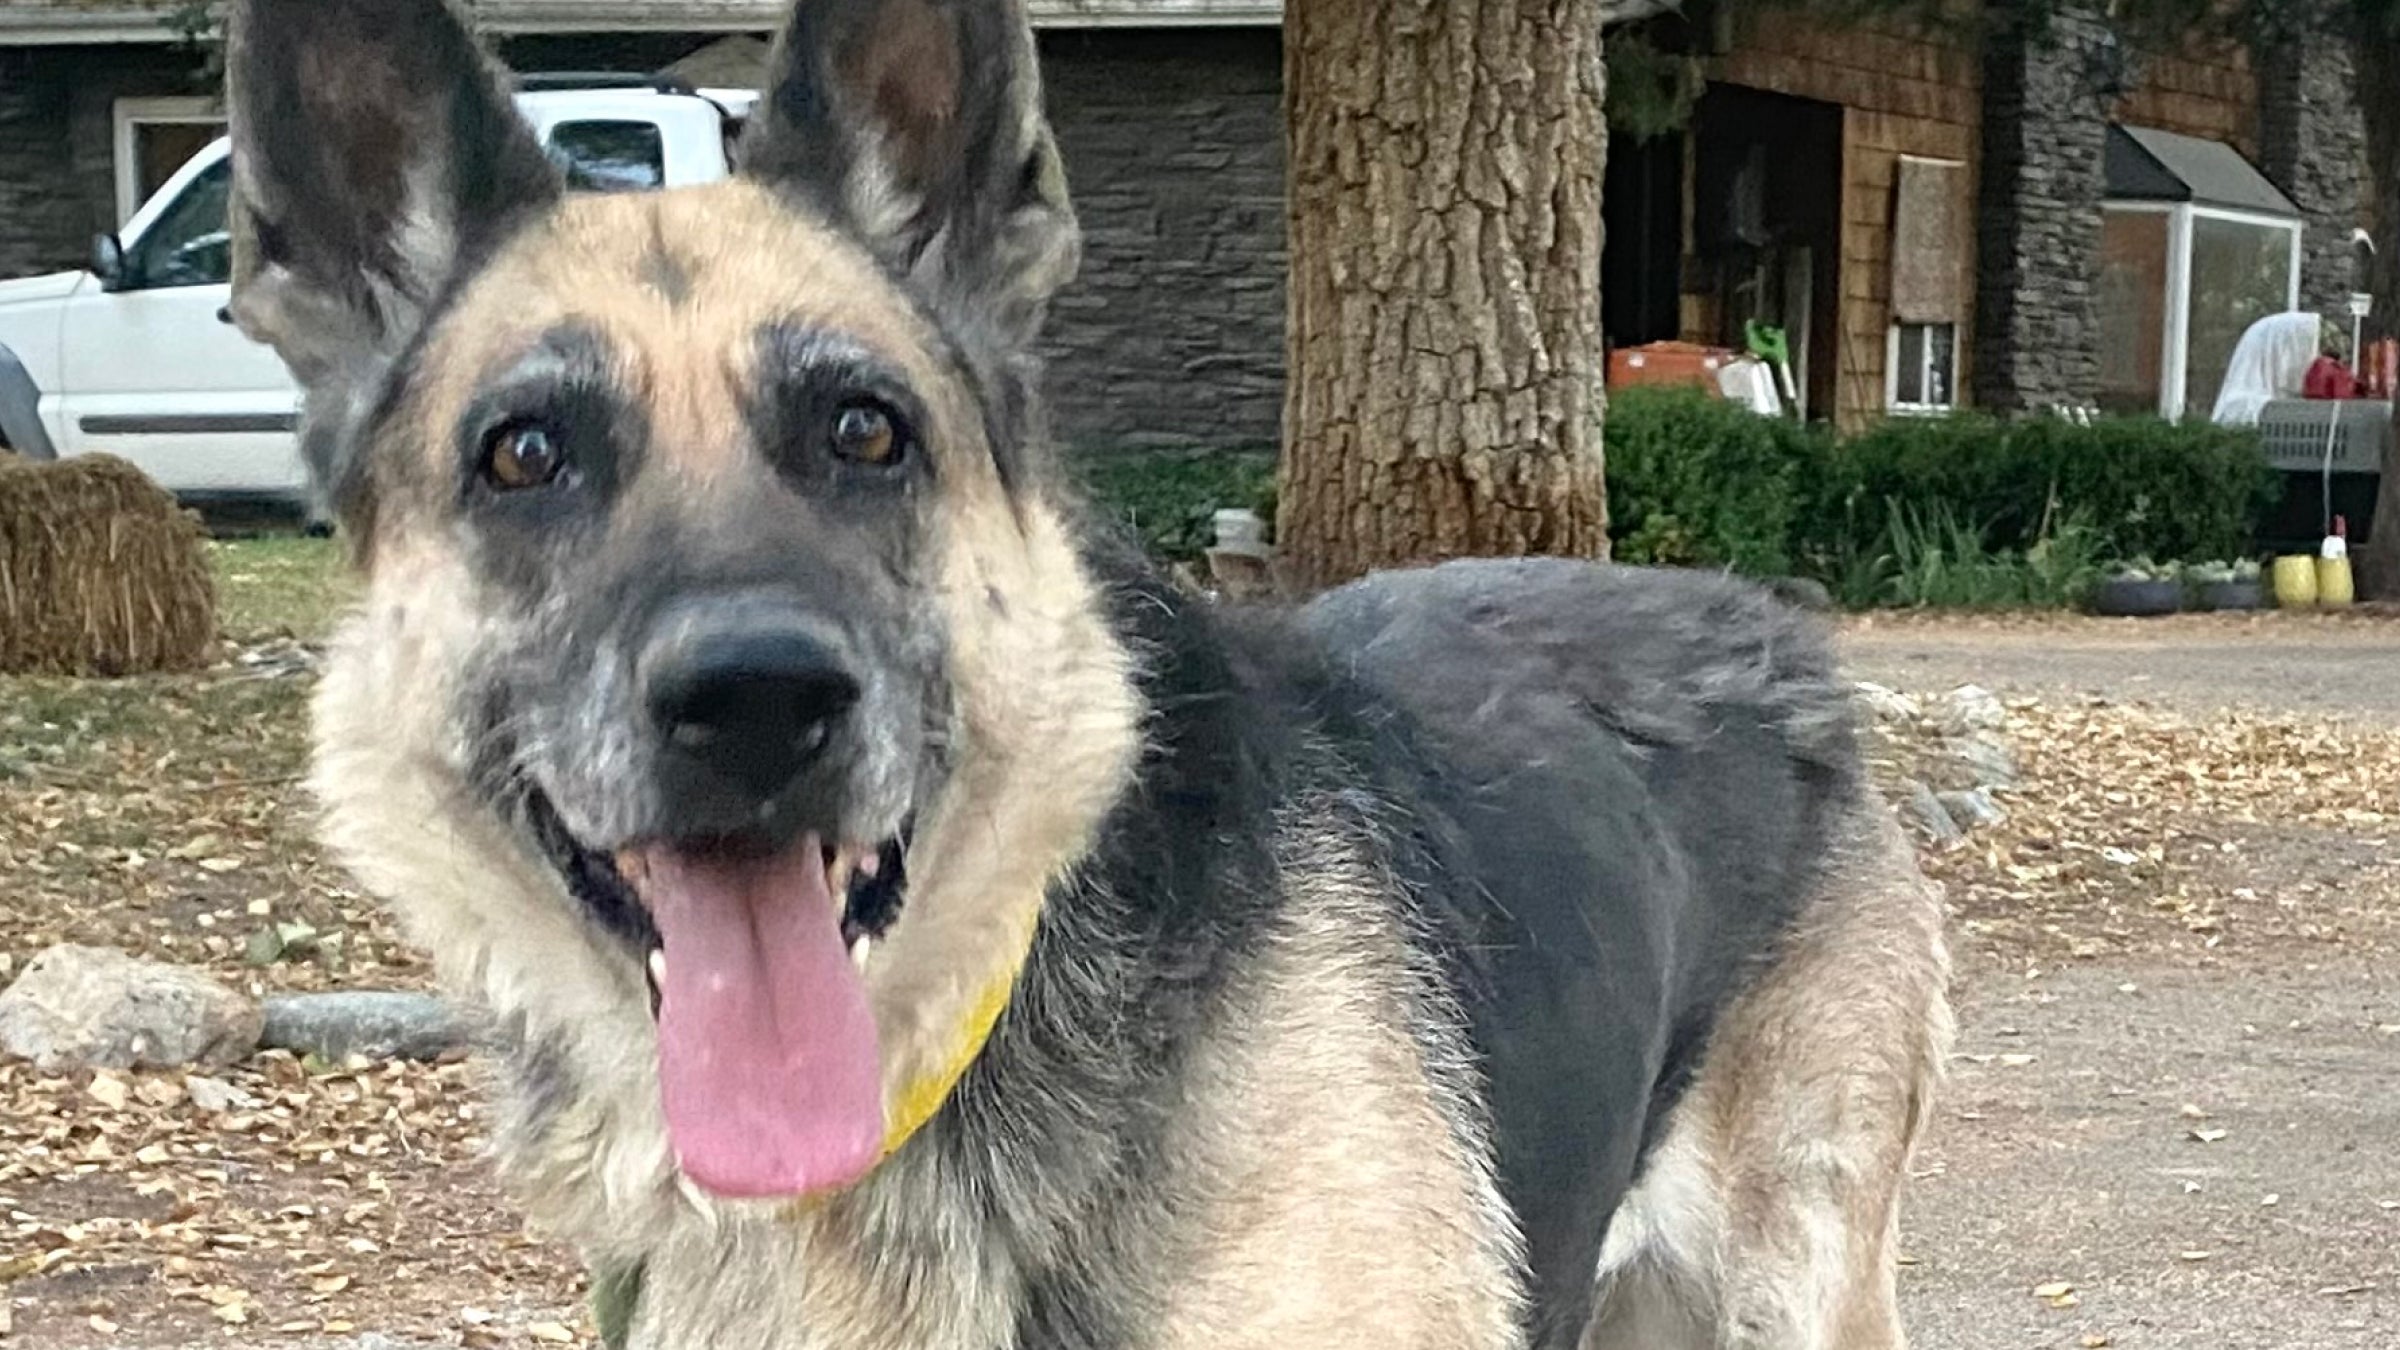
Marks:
<point>610,156</point>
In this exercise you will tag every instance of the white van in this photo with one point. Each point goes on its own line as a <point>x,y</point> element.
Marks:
<point>136,358</point>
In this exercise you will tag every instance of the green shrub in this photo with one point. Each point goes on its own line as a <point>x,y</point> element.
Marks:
<point>1170,497</point>
<point>1695,481</point>
<point>2149,486</point>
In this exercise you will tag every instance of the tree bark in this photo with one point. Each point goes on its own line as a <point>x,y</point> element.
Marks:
<point>2378,64</point>
<point>1444,396</point>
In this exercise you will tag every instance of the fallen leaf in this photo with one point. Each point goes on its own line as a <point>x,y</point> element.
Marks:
<point>2060,1290</point>
<point>108,1090</point>
<point>550,1331</point>
<point>2208,1136</point>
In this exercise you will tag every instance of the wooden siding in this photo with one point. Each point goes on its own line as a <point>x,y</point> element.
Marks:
<point>1903,92</point>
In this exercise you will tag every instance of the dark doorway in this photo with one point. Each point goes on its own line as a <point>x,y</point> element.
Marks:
<point>1767,226</point>
<point>1641,267</point>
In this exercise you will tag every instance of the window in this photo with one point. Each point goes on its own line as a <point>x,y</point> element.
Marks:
<point>610,156</point>
<point>188,245</point>
<point>2196,246</point>
<point>2134,259</point>
<point>154,138</point>
<point>2242,271</point>
<point>1923,366</point>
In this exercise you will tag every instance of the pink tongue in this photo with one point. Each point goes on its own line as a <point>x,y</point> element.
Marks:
<point>766,1046</point>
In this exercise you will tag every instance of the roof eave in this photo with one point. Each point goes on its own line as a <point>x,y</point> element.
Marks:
<point>30,27</point>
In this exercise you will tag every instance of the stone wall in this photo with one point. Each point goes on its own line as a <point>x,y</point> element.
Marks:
<point>58,183</point>
<point>2312,144</point>
<point>1173,333</point>
<point>2045,106</point>
<point>39,229</point>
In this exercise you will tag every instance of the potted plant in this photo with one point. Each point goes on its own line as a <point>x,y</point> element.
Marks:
<point>2234,585</point>
<point>2139,589</point>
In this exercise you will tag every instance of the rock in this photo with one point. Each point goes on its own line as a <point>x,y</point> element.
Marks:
<point>1887,704</point>
<point>374,1023</point>
<point>1968,709</point>
<point>1987,763</point>
<point>1932,819</point>
<point>1801,593</point>
<point>91,1007</point>
<point>1972,810</point>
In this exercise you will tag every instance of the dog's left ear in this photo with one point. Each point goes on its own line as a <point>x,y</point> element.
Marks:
<point>917,126</point>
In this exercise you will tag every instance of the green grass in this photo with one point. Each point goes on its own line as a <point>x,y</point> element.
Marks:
<point>1939,561</point>
<point>280,586</point>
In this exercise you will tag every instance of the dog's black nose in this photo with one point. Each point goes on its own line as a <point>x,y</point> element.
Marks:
<point>753,699</point>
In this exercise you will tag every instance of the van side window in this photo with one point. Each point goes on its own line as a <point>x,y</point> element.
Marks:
<point>188,245</point>
<point>610,156</point>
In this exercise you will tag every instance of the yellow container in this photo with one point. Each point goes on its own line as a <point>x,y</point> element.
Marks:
<point>2333,583</point>
<point>2296,581</point>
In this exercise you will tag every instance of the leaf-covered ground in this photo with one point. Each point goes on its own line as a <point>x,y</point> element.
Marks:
<point>166,816</point>
<point>2172,873</point>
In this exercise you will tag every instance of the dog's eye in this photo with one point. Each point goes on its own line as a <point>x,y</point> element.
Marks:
<point>867,433</point>
<point>521,455</point>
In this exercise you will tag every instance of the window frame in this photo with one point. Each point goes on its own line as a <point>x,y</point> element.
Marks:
<point>1891,371</point>
<point>2175,348</point>
<point>129,115</point>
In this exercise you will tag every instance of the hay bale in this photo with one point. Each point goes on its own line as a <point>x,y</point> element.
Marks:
<point>101,571</point>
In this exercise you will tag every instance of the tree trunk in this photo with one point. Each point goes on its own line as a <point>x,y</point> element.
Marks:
<point>1444,396</point>
<point>2378,63</point>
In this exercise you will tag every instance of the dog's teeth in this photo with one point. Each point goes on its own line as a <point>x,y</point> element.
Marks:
<point>870,861</point>
<point>860,951</point>
<point>658,966</point>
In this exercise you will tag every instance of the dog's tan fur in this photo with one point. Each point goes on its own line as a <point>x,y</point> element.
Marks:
<point>1768,1219</point>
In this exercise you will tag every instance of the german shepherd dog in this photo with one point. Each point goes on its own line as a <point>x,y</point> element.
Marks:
<point>912,922</point>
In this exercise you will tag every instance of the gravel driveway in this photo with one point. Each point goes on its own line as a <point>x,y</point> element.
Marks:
<point>2176,1143</point>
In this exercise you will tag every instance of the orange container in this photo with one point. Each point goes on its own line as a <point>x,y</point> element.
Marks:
<point>1669,363</point>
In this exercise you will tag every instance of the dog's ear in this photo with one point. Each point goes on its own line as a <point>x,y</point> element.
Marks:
<point>376,153</point>
<point>917,126</point>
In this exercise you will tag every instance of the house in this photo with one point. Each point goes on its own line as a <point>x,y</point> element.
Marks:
<point>1937,216</point>
<point>1951,215</point>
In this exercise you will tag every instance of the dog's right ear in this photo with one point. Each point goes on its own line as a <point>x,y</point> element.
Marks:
<point>376,154</point>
